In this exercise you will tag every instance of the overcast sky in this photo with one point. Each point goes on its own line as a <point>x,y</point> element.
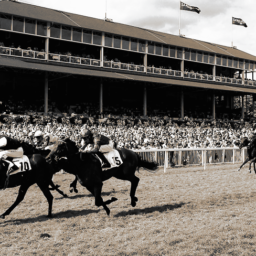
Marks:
<point>213,24</point>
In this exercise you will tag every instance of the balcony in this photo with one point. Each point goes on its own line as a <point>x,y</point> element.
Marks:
<point>76,60</point>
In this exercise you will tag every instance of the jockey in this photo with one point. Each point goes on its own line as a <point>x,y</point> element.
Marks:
<point>9,149</point>
<point>101,145</point>
<point>44,140</point>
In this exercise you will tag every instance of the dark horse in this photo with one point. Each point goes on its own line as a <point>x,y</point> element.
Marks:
<point>87,168</point>
<point>251,150</point>
<point>41,174</point>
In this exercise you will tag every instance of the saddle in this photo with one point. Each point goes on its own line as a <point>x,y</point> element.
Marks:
<point>22,163</point>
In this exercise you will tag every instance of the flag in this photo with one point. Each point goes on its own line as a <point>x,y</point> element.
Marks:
<point>187,7</point>
<point>239,22</point>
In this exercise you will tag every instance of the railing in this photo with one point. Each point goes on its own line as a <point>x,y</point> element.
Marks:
<point>193,156</point>
<point>22,53</point>
<point>118,65</point>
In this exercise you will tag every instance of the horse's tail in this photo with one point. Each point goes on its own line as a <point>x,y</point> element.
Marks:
<point>149,166</point>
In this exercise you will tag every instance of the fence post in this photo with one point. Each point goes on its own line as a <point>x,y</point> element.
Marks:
<point>233,156</point>
<point>156,156</point>
<point>202,158</point>
<point>165,160</point>
<point>180,158</point>
<point>223,156</point>
<point>243,155</point>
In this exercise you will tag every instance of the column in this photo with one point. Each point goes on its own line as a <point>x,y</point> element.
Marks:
<point>182,63</point>
<point>46,93</point>
<point>253,106</point>
<point>213,107</point>
<point>145,62</point>
<point>182,104</point>
<point>145,101</point>
<point>242,114</point>
<point>102,50</point>
<point>252,75</point>
<point>214,72</point>
<point>101,96</point>
<point>47,41</point>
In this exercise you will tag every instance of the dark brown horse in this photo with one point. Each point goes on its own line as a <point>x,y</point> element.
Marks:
<point>251,150</point>
<point>41,174</point>
<point>87,168</point>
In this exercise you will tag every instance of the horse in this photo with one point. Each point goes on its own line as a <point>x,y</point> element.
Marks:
<point>41,174</point>
<point>87,168</point>
<point>251,149</point>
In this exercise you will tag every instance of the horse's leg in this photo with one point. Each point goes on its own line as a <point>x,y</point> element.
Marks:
<point>134,184</point>
<point>56,187</point>
<point>252,161</point>
<point>247,159</point>
<point>73,186</point>
<point>22,192</point>
<point>48,195</point>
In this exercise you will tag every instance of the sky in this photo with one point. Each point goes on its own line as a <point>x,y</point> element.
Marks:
<point>213,24</point>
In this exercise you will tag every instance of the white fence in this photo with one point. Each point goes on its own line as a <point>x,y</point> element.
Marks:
<point>193,156</point>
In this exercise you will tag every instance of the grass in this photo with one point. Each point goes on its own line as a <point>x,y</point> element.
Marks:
<point>186,211</point>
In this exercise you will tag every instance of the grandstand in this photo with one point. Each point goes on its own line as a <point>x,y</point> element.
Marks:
<point>48,55</point>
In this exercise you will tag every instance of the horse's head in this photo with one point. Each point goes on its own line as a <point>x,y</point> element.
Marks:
<point>58,150</point>
<point>244,142</point>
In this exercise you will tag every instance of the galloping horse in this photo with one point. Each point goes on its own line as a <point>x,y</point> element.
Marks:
<point>41,174</point>
<point>87,168</point>
<point>251,152</point>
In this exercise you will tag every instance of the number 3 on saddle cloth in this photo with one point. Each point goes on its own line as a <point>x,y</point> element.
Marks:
<point>22,162</point>
<point>113,158</point>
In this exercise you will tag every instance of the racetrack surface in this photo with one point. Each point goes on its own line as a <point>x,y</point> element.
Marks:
<point>186,211</point>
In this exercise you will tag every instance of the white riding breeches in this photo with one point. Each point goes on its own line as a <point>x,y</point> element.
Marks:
<point>12,152</point>
<point>107,148</point>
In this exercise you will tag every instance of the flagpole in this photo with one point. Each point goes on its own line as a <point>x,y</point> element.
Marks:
<point>232,32</point>
<point>179,21</point>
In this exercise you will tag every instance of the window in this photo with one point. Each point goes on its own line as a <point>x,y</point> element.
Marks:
<point>241,64</point>
<point>205,58</point>
<point>125,43</point>
<point>199,56</point>
<point>117,41</point>
<point>211,59</point>
<point>179,53</point>
<point>87,36</point>
<point>187,54</point>
<point>158,49</point>
<point>229,62</point>
<point>151,48</point>
<point>218,60</point>
<point>165,51</point>
<point>224,61</point>
<point>55,31</point>
<point>172,52</point>
<point>97,38</point>
<point>77,34</point>
<point>247,65</point>
<point>193,55</point>
<point>30,26</point>
<point>18,24</point>
<point>235,62</point>
<point>142,46</point>
<point>66,33</point>
<point>134,45</point>
<point>41,28</point>
<point>108,40</point>
<point>5,22</point>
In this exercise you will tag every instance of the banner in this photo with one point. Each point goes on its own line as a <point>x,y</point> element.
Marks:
<point>186,7</point>
<point>239,22</point>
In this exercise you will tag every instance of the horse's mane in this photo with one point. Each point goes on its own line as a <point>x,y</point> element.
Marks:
<point>30,149</point>
<point>72,147</point>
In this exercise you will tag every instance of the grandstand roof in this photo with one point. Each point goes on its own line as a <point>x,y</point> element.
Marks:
<point>18,63</point>
<point>75,20</point>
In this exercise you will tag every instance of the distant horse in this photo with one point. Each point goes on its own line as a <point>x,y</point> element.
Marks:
<point>251,150</point>
<point>87,168</point>
<point>41,174</point>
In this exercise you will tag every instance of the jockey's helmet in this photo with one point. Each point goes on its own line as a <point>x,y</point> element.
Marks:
<point>86,133</point>
<point>38,134</point>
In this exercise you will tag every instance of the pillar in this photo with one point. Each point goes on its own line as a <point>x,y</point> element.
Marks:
<point>242,114</point>
<point>46,89</point>
<point>253,75</point>
<point>145,62</point>
<point>213,107</point>
<point>145,101</point>
<point>47,40</point>
<point>182,105</point>
<point>101,96</point>
<point>214,72</point>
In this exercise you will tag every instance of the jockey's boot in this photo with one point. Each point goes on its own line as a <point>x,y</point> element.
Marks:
<point>105,164</point>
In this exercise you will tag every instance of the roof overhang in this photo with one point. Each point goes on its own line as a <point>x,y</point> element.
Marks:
<point>49,67</point>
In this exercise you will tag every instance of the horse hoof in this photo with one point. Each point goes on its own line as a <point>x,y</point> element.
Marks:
<point>2,216</point>
<point>71,190</point>
<point>135,199</point>
<point>65,195</point>
<point>133,203</point>
<point>108,212</point>
<point>76,191</point>
<point>238,169</point>
<point>113,199</point>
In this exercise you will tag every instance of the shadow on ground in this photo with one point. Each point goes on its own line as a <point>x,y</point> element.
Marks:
<point>65,214</point>
<point>161,208</point>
